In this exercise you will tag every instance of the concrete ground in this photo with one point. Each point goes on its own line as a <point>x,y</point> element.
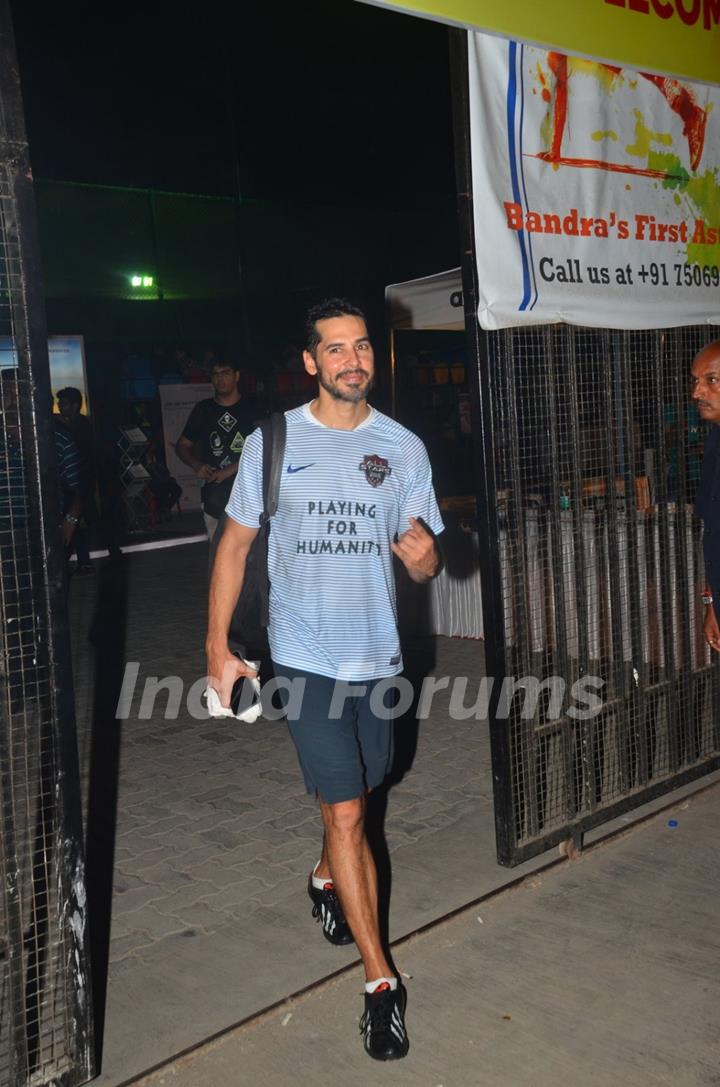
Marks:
<point>212,839</point>
<point>601,971</point>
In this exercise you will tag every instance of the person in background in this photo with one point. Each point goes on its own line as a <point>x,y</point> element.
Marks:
<point>69,402</point>
<point>70,479</point>
<point>213,439</point>
<point>705,392</point>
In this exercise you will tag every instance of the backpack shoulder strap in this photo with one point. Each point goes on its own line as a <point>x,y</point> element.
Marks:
<point>274,432</point>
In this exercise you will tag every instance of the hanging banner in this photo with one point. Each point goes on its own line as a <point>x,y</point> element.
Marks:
<point>678,37</point>
<point>596,191</point>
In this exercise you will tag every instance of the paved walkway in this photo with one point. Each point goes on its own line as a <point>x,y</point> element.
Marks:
<point>214,837</point>
<point>600,972</point>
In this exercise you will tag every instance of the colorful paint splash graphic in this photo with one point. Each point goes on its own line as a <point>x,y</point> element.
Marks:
<point>657,159</point>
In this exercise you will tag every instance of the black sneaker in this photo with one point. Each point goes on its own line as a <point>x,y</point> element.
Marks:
<point>327,910</point>
<point>383,1026</point>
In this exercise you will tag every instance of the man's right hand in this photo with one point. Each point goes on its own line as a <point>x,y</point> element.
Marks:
<point>206,471</point>
<point>223,671</point>
<point>68,531</point>
<point>711,630</point>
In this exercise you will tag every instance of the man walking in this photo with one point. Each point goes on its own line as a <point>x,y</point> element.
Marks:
<point>705,383</point>
<point>356,487</point>
<point>212,441</point>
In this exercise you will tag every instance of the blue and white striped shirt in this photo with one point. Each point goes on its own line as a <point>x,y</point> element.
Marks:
<point>344,495</point>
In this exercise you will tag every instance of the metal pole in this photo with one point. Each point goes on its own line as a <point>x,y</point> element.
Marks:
<point>45,592</point>
<point>480,384</point>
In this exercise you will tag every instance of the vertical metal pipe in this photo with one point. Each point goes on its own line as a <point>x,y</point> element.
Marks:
<point>685,720</point>
<point>553,515</point>
<point>612,525</point>
<point>588,788</point>
<point>481,386</point>
<point>637,604</point>
<point>666,512</point>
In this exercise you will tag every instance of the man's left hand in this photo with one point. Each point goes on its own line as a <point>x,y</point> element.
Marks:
<point>417,551</point>
<point>68,531</point>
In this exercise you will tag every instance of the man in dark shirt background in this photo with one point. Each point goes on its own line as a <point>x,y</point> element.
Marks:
<point>705,384</point>
<point>213,438</point>
<point>70,479</point>
<point>79,427</point>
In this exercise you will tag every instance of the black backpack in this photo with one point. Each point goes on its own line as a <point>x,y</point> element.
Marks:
<point>248,627</point>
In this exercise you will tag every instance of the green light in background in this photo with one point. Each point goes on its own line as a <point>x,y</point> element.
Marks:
<point>142,281</point>
<point>147,281</point>
<point>136,281</point>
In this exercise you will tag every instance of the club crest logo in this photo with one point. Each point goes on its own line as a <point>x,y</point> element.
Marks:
<point>216,444</point>
<point>236,445</point>
<point>376,469</point>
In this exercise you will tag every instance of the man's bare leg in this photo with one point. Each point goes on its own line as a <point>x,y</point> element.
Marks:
<point>322,869</point>
<point>352,870</point>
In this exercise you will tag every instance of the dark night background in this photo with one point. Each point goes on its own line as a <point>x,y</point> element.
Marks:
<point>252,160</point>
<point>329,99</point>
<point>332,105</point>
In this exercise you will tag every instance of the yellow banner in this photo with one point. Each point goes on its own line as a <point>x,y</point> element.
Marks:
<point>677,37</point>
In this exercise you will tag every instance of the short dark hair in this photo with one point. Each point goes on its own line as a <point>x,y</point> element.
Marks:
<point>329,307</point>
<point>225,364</point>
<point>70,393</point>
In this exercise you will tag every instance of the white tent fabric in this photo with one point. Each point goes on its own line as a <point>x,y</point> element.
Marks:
<point>449,605</point>
<point>433,303</point>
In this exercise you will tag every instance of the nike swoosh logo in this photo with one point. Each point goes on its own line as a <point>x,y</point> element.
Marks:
<point>291,471</point>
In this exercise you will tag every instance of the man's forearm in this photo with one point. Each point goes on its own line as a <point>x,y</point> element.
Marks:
<point>187,456</point>
<point>225,585</point>
<point>75,507</point>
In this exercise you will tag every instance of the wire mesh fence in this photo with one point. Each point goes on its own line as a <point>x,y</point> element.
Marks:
<point>45,1016</point>
<point>609,695</point>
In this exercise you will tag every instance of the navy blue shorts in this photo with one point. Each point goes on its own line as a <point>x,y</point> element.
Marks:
<point>343,757</point>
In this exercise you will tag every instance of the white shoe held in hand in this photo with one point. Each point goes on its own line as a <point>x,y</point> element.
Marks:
<point>245,702</point>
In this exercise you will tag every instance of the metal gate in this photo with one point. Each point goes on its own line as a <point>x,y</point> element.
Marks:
<point>45,1009</point>
<point>608,694</point>
<point>587,461</point>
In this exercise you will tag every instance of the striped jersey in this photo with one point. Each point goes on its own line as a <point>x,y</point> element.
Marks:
<point>344,495</point>
<point>68,462</point>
